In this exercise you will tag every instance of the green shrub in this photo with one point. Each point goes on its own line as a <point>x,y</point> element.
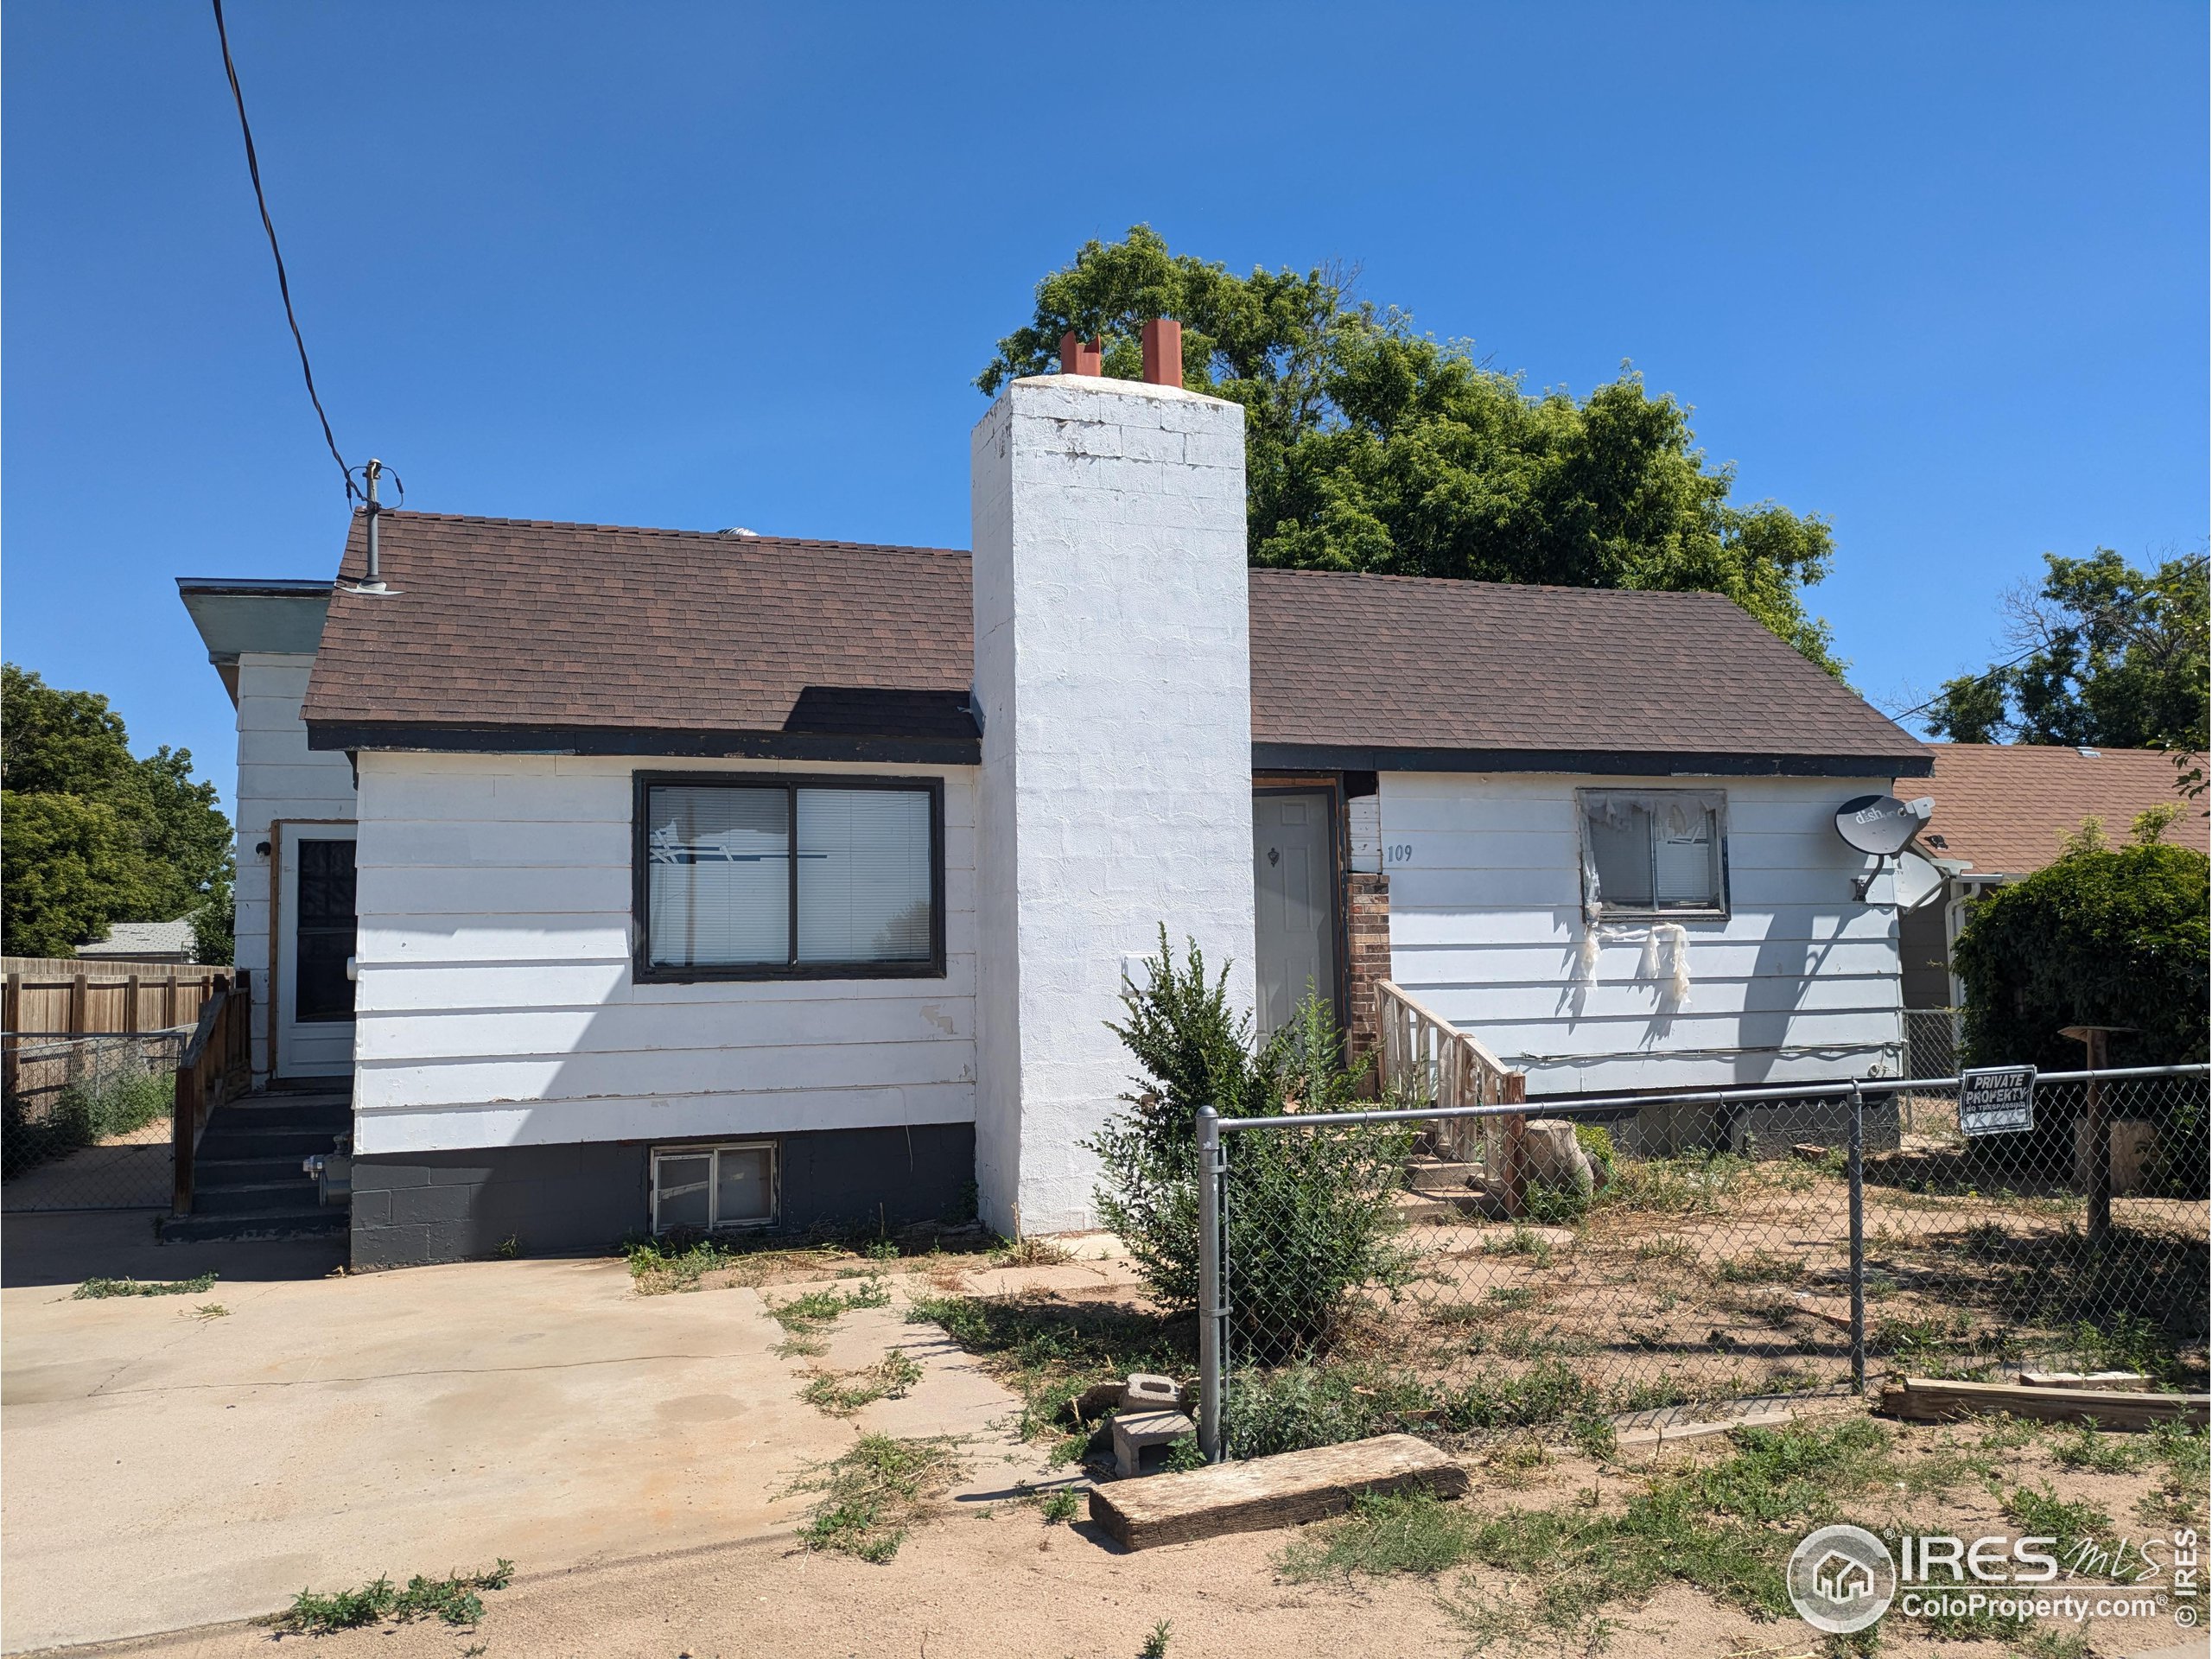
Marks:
<point>84,1114</point>
<point>2101,937</point>
<point>1314,1210</point>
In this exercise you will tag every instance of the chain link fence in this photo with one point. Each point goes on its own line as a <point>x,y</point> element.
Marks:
<point>1600,1266</point>
<point>1932,1041</point>
<point>87,1122</point>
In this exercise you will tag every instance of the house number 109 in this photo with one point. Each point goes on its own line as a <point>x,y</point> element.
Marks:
<point>1398,852</point>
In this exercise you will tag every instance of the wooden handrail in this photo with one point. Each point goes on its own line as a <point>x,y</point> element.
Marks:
<point>1425,1054</point>
<point>215,1065</point>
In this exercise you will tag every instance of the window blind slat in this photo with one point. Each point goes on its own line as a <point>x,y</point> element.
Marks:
<point>863,875</point>
<point>719,876</point>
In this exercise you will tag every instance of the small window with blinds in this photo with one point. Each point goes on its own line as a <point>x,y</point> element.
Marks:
<point>789,878</point>
<point>1653,853</point>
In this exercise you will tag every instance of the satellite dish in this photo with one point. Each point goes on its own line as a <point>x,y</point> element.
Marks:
<point>1917,881</point>
<point>1881,824</point>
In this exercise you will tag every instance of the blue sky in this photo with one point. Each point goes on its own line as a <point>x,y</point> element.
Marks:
<point>1937,270</point>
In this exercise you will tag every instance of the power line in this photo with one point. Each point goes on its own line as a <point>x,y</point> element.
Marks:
<point>2190,566</point>
<point>284,286</point>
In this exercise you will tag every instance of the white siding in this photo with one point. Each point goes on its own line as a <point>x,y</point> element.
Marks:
<point>1799,983</point>
<point>279,779</point>
<point>496,1005</point>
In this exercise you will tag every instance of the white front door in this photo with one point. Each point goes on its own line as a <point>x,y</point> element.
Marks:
<point>315,951</point>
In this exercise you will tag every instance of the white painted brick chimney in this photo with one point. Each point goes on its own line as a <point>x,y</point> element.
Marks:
<point>1113,678</point>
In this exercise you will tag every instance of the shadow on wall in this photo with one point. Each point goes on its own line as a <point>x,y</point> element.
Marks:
<point>593,1052</point>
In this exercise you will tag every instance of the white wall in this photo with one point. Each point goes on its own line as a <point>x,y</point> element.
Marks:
<point>1799,983</point>
<point>1113,677</point>
<point>496,1006</point>
<point>279,777</point>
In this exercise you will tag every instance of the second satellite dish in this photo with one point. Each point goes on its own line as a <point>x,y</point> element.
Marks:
<point>1916,882</point>
<point>1882,824</point>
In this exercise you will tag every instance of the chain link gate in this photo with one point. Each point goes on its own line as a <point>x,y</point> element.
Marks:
<point>89,1121</point>
<point>1607,1264</point>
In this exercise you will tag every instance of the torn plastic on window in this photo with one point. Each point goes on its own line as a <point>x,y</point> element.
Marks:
<point>1675,813</point>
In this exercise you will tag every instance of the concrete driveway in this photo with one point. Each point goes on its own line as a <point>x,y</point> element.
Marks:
<point>168,1469</point>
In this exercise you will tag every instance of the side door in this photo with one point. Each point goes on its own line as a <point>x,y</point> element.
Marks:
<point>1294,894</point>
<point>314,950</point>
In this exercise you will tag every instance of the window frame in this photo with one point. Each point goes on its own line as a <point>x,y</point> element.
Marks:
<point>713,1150</point>
<point>1715,801</point>
<point>645,971</point>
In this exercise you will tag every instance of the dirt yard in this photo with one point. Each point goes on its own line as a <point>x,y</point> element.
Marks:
<point>991,1577</point>
<point>1551,1552</point>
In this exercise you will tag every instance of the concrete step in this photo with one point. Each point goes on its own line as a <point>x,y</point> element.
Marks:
<point>236,1171</point>
<point>285,1112</point>
<point>272,1224</point>
<point>223,1141</point>
<point>254,1198</point>
<point>1435,1175</point>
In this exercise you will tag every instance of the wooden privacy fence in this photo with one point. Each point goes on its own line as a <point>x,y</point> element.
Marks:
<point>61,996</point>
<point>1427,1058</point>
<point>216,1067</point>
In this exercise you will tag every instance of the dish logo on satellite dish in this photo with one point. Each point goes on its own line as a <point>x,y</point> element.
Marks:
<point>1882,824</point>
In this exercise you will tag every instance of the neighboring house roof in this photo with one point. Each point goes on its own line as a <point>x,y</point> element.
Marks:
<point>512,634</point>
<point>2004,807</point>
<point>143,941</point>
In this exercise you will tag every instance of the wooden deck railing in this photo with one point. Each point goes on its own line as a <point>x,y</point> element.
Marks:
<point>1426,1058</point>
<point>217,1065</point>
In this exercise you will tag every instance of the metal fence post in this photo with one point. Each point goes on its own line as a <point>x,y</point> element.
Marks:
<point>1855,1167</point>
<point>1211,1312</point>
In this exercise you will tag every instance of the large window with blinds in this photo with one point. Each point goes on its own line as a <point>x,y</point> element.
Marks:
<point>789,878</point>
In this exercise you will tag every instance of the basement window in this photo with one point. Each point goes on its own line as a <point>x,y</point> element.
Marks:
<point>710,1187</point>
<point>1654,853</point>
<point>814,878</point>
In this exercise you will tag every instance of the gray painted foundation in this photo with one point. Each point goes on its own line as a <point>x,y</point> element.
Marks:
<point>450,1206</point>
<point>1753,1128</point>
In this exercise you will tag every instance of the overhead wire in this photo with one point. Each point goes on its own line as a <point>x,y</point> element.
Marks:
<point>283,283</point>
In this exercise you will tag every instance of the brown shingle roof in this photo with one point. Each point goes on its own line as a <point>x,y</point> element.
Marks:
<point>1408,663</point>
<point>676,639</point>
<point>2004,808</point>
<point>508,623</point>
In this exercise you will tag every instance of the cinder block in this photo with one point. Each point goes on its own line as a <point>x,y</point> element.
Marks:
<point>1137,1433</point>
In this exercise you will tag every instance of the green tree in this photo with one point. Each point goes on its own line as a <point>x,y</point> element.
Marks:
<point>92,834</point>
<point>1369,446</point>
<point>2104,654</point>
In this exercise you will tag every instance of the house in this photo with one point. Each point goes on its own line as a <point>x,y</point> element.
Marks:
<point>642,878</point>
<point>142,942</point>
<point>2003,811</point>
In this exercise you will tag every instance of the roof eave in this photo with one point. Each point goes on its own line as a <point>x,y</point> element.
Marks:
<point>357,736</point>
<point>1612,763</point>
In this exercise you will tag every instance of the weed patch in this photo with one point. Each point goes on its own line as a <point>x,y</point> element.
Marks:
<point>95,1289</point>
<point>1028,1253</point>
<point>806,1318</point>
<point>842,1393</point>
<point>1386,1533</point>
<point>1059,1506</point>
<point>453,1599</point>
<point>1049,1350</point>
<point>1725,1528</point>
<point>870,1497</point>
<point>2084,1447</point>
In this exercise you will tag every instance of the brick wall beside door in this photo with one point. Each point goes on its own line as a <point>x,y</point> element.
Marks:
<point>1367,958</point>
